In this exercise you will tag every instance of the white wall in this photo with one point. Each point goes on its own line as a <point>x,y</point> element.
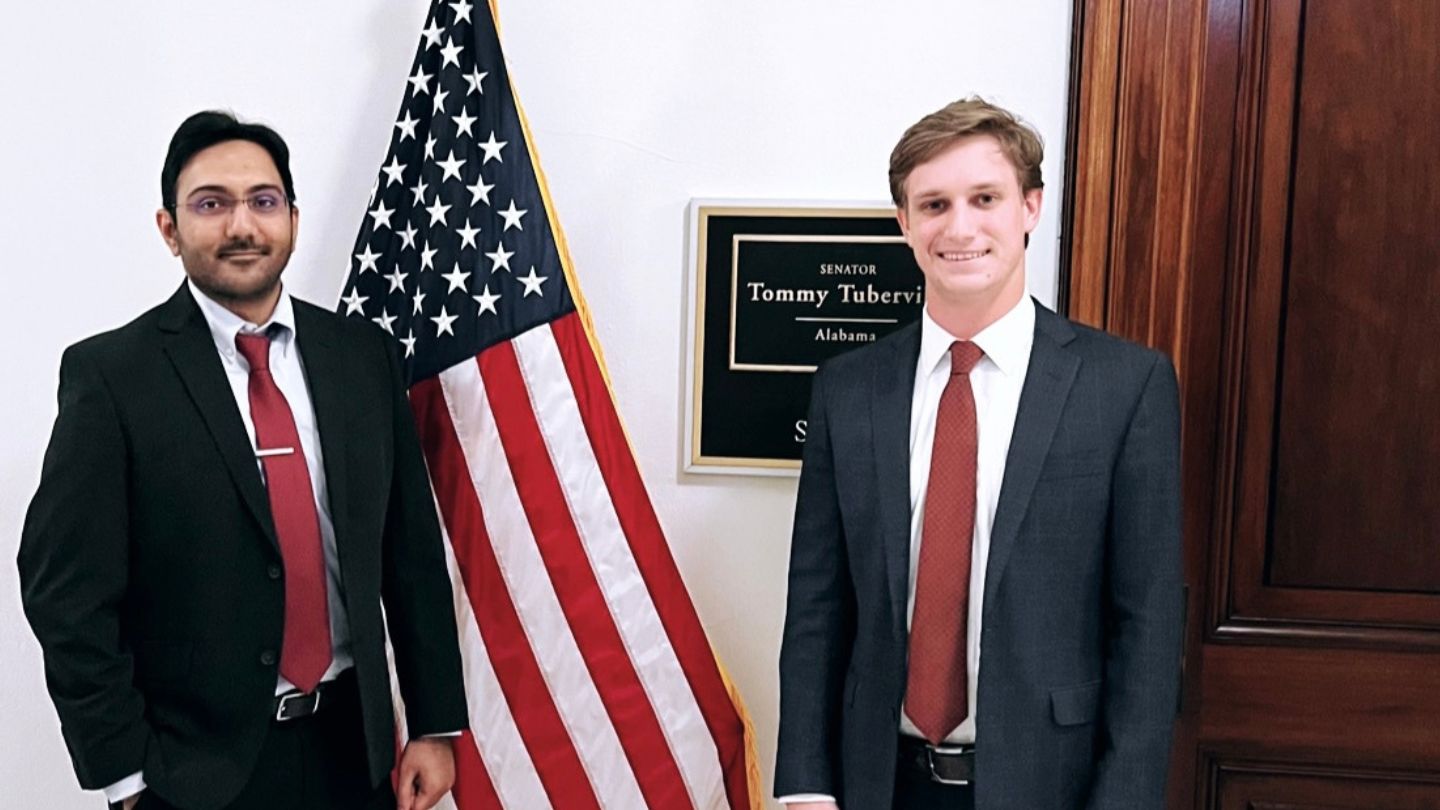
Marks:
<point>636,107</point>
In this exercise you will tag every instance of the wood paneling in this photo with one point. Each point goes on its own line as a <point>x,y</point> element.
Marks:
<point>1359,376</point>
<point>1254,189</point>
<point>1279,786</point>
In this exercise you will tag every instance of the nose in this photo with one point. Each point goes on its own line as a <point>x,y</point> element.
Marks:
<point>240,221</point>
<point>959,223</point>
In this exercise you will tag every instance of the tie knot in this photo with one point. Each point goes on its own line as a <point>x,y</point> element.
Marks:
<point>963,356</point>
<point>255,349</point>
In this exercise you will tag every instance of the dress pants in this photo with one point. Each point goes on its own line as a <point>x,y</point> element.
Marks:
<point>915,790</point>
<point>310,763</point>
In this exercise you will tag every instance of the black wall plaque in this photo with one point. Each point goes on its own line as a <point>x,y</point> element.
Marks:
<point>778,290</point>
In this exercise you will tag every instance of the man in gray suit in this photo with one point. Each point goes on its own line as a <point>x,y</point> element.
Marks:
<point>985,595</point>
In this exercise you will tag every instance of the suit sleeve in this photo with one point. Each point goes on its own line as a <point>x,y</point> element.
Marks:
<point>74,563</point>
<point>1143,604</point>
<point>420,612</point>
<point>819,622</point>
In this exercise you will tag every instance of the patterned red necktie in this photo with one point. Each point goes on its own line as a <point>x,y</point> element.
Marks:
<point>305,653</point>
<point>936,689</point>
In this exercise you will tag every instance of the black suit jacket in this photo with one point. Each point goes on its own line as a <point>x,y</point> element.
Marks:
<point>150,569</point>
<point>1080,646</point>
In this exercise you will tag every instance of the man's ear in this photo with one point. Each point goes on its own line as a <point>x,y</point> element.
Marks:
<point>166,223</point>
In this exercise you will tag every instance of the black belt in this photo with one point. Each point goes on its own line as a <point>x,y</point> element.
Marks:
<point>945,764</point>
<point>295,704</point>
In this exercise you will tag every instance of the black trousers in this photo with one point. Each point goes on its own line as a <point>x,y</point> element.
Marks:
<point>915,790</point>
<point>311,763</point>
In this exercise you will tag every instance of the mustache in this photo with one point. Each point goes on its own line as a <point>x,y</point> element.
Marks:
<point>243,246</point>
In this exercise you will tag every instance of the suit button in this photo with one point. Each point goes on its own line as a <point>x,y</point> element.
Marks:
<point>274,571</point>
<point>267,658</point>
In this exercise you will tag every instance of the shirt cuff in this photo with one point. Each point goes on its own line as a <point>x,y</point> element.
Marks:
<point>441,734</point>
<point>125,788</point>
<point>806,797</point>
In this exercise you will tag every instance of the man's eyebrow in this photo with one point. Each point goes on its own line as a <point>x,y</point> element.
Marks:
<point>215,188</point>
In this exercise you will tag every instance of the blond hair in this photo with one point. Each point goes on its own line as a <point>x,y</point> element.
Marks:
<point>940,130</point>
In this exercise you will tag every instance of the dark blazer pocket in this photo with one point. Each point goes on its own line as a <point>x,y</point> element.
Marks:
<point>163,663</point>
<point>1076,705</point>
<point>1077,465</point>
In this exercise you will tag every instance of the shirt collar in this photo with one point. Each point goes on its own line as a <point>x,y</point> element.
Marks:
<point>1006,342</point>
<point>224,324</point>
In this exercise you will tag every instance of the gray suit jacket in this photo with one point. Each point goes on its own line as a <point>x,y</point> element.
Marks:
<point>1083,600</point>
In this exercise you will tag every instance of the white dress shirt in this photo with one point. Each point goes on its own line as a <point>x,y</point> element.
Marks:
<point>286,366</point>
<point>996,382</point>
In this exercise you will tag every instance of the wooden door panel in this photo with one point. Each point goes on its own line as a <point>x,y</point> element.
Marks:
<point>1275,786</point>
<point>1334,532</point>
<point>1255,188</point>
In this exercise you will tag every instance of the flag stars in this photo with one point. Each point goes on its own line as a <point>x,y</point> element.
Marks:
<point>444,323</point>
<point>354,302</point>
<point>385,321</point>
<point>512,216</point>
<point>397,280</point>
<point>430,147</point>
<point>394,171</point>
<point>462,10</point>
<point>419,301</point>
<point>463,122</point>
<point>420,81</point>
<point>406,126</point>
<point>367,259</point>
<point>419,191</point>
<point>501,258</point>
<point>451,165</point>
<point>437,212</point>
<point>451,53</point>
<point>427,258</point>
<point>480,192</point>
<point>467,235</point>
<point>409,343</point>
<point>431,33</point>
<point>474,79</point>
<point>408,236</point>
<point>381,215</point>
<point>532,283</point>
<point>492,149</point>
<point>440,98</point>
<point>456,277</point>
<point>486,300</point>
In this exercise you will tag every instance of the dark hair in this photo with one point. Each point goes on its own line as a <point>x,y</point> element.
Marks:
<point>941,129</point>
<point>205,129</point>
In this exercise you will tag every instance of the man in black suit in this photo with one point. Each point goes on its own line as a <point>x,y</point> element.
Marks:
<point>985,599</point>
<point>232,489</point>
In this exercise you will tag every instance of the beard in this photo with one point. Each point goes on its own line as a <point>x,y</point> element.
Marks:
<point>239,271</point>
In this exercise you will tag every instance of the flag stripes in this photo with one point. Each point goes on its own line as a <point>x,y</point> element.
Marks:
<point>612,452</point>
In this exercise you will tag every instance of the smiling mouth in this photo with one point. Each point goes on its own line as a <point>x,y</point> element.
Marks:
<point>963,256</point>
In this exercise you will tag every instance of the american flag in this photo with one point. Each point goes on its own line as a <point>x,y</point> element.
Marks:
<point>591,683</point>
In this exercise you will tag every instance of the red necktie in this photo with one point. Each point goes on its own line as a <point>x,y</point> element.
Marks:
<point>305,653</point>
<point>936,689</point>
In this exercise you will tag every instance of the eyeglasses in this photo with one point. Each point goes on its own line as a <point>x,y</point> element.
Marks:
<point>265,203</point>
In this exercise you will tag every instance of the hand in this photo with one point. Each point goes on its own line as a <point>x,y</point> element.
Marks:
<point>129,804</point>
<point>427,772</point>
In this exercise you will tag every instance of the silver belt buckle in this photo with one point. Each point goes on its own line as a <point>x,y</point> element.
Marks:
<point>285,699</point>
<point>931,751</point>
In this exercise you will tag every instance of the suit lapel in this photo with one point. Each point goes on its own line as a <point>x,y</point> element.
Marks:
<point>890,419</point>
<point>191,350</point>
<point>1042,400</point>
<point>323,360</point>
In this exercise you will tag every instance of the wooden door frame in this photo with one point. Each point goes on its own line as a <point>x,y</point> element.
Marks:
<point>1132,259</point>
